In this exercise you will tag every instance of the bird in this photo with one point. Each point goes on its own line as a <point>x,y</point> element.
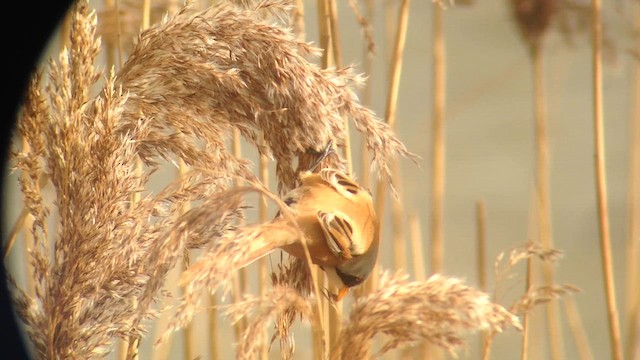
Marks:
<point>335,217</point>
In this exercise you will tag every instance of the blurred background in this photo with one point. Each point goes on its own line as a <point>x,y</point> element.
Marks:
<point>489,141</point>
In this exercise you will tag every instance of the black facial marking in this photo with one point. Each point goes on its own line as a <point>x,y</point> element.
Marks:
<point>349,280</point>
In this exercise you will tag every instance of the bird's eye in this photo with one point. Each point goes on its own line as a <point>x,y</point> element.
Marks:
<point>289,201</point>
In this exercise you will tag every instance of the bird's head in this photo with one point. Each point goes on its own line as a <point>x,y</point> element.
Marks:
<point>352,273</point>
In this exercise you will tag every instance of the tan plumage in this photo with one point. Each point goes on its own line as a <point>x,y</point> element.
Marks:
<point>338,222</point>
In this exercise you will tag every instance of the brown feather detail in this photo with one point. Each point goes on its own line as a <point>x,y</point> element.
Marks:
<point>340,182</point>
<point>337,232</point>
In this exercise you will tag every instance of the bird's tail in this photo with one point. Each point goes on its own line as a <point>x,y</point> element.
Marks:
<point>238,249</point>
<point>266,238</point>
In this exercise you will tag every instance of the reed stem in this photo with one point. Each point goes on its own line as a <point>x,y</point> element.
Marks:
<point>601,185</point>
<point>438,156</point>
<point>554,327</point>
<point>526,323</point>
<point>577,329</point>
<point>394,89</point>
<point>239,281</point>
<point>632,302</point>
<point>337,60</point>
<point>397,217</point>
<point>188,334</point>
<point>298,20</point>
<point>263,276</point>
<point>481,237</point>
<point>119,46</point>
<point>327,26</point>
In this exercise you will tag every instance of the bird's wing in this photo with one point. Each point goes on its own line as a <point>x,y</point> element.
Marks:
<point>340,182</point>
<point>338,232</point>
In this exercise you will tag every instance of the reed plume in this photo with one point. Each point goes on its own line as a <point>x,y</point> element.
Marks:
<point>188,82</point>
<point>439,309</point>
<point>90,283</point>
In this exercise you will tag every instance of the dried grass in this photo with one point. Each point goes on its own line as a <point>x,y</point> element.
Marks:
<point>188,82</point>
<point>276,303</point>
<point>253,76</point>
<point>440,310</point>
<point>504,273</point>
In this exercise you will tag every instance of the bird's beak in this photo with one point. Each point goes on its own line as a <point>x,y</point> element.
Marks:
<point>341,293</point>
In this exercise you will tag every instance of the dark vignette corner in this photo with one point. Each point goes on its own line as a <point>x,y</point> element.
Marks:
<point>27,27</point>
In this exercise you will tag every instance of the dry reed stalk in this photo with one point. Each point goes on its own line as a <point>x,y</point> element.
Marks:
<point>240,280</point>
<point>335,36</point>
<point>601,185</point>
<point>335,311</point>
<point>163,351</point>
<point>188,333</point>
<point>415,236</point>
<point>438,139</point>
<point>533,18</point>
<point>396,64</point>
<point>336,53</point>
<point>635,347</point>
<point>554,326</point>
<point>391,105</point>
<point>481,257</point>
<point>146,14</point>
<point>365,176</point>
<point>322,337</point>
<point>213,340</point>
<point>525,324</point>
<point>438,310</point>
<point>481,237</point>
<point>393,90</point>
<point>319,333</point>
<point>298,20</point>
<point>632,301</point>
<point>110,48</point>
<point>417,251</point>
<point>118,42</point>
<point>397,221</point>
<point>397,210</point>
<point>324,31</point>
<point>577,329</point>
<point>263,170</point>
